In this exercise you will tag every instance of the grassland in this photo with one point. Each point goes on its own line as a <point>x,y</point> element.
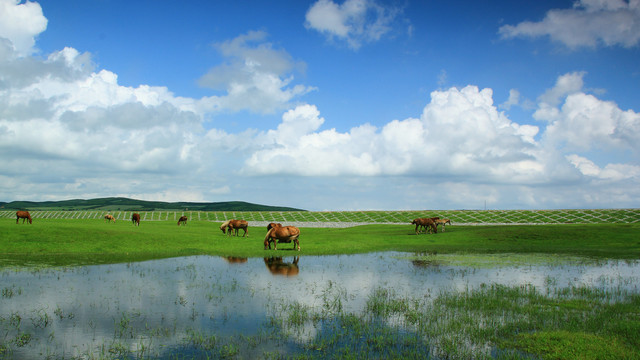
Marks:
<point>80,241</point>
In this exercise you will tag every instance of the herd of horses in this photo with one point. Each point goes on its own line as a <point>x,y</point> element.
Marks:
<point>430,225</point>
<point>276,232</point>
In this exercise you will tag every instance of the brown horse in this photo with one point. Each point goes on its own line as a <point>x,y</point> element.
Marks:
<point>182,220</point>
<point>135,219</point>
<point>427,223</point>
<point>229,226</point>
<point>443,222</point>
<point>277,233</point>
<point>24,215</point>
<point>109,217</point>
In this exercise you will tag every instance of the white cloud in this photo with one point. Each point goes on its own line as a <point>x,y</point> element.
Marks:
<point>580,121</point>
<point>68,129</point>
<point>613,172</point>
<point>256,76</point>
<point>355,21</point>
<point>514,100</point>
<point>459,133</point>
<point>588,24</point>
<point>65,121</point>
<point>20,24</point>
<point>565,84</point>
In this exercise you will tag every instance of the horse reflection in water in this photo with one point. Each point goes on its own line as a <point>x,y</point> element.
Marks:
<point>235,260</point>
<point>278,267</point>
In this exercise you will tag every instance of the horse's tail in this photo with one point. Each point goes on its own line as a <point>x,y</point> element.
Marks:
<point>267,237</point>
<point>294,231</point>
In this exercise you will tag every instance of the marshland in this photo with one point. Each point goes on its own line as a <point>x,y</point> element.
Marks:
<point>74,287</point>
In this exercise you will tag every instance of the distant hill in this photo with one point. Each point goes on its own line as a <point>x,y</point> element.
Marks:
<point>126,204</point>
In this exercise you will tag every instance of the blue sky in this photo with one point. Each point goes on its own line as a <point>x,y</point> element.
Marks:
<point>323,105</point>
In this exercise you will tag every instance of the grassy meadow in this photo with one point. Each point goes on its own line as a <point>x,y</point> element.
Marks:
<point>89,240</point>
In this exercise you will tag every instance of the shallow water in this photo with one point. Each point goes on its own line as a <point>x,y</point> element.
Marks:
<point>159,306</point>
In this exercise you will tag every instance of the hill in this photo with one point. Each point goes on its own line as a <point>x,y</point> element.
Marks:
<point>126,204</point>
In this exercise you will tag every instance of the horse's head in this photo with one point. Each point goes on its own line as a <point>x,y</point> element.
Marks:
<point>224,225</point>
<point>273,225</point>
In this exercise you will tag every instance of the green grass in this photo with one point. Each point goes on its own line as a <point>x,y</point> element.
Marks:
<point>516,321</point>
<point>81,241</point>
<point>493,321</point>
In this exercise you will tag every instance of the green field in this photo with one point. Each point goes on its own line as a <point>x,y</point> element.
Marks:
<point>81,241</point>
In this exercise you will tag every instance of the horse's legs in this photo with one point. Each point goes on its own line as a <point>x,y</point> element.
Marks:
<point>267,242</point>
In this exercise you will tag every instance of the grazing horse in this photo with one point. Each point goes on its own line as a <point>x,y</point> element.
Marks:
<point>24,215</point>
<point>277,233</point>
<point>135,219</point>
<point>229,226</point>
<point>443,222</point>
<point>182,220</point>
<point>427,223</point>
<point>109,217</point>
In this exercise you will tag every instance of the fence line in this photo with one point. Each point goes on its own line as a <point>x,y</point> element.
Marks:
<point>469,217</point>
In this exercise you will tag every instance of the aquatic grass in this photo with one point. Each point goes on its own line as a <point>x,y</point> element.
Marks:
<point>497,260</point>
<point>573,345</point>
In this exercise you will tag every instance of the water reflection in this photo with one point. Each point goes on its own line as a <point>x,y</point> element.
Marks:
<point>279,267</point>
<point>159,306</point>
<point>235,260</point>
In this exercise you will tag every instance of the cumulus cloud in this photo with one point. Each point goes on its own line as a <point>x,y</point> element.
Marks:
<point>61,121</point>
<point>588,24</point>
<point>514,99</point>
<point>354,21</point>
<point>255,77</point>
<point>21,24</point>
<point>614,172</point>
<point>460,133</point>
<point>68,128</point>
<point>581,121</point>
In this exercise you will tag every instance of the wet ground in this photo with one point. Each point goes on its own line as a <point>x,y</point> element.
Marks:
<point>159,305</point>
